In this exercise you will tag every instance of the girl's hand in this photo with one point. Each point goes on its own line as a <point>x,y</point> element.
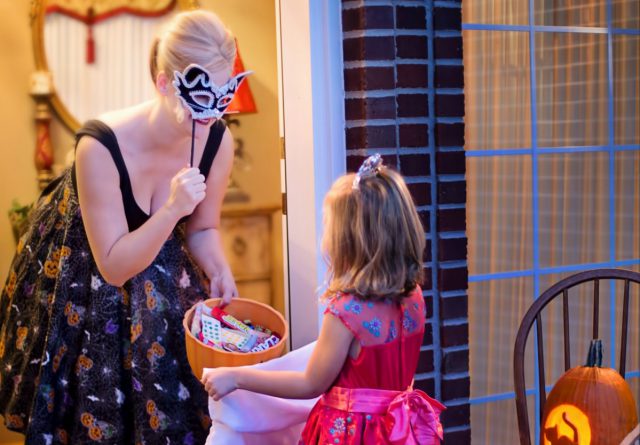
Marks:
<point>187,191</point>
<point>219,382</point>
<point>223,286</point>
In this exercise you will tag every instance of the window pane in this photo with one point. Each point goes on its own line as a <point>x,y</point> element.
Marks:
<point>571,12</point>
<point>496,309</point>
<point>626,73</point>
<point>496,423</point>
<point>580,325</point>
<point>574,208</point>
<point>571,88</point>
<point>626,14</point>
<point>499,12</point>
<point>497,90</point>
<point>499,214</point>
<point>634,384</point>
<point>633,337</point>
<point>627,195</point>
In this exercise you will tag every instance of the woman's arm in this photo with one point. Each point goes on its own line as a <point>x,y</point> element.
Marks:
<point>120,254</point>
<point>203,237</point>
<point>326,361</point>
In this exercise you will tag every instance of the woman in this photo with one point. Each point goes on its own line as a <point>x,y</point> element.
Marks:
<point>91,339</point>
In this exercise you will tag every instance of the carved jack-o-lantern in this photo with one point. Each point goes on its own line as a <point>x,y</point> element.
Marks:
<point>73,318</point>
<point>589,405</point>
<point>51,268</point>
<point>151,407</point>
<point>154,422</point>
<point>87,419</point>
<point>95,433</point>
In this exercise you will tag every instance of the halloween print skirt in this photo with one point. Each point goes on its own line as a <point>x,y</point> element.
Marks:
<point>82,361</point>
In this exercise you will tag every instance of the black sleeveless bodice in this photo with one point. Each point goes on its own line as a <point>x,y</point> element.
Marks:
<point>105,135</point>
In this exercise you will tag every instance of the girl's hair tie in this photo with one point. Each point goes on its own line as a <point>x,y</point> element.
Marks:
<point>370,167</point>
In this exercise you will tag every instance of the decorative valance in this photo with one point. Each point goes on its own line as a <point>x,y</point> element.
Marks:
<point>92,11</point>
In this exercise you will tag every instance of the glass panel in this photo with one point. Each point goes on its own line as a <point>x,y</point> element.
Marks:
<point>633,335</point>
<point>626,88</point>
<point>497,422</point>
<point>626,14</point>
<point>580,325</point>
<point>497,89</point>
<point>574,208</point>
<point>499,214</point>
<point>496,309</point>
<point>499,12</point>
<point>634,384</point>
<point>571,88</point>
<point>627,195</point>
<point>571,12</point>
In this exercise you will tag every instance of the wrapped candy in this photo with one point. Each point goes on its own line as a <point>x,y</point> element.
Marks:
<point>214,327</point>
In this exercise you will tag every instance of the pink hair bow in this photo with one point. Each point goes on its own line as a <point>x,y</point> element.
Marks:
<point>414,419</point>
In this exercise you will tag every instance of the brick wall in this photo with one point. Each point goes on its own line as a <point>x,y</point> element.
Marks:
<point>403,78</point>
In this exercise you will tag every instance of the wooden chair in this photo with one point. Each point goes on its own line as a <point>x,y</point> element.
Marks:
<point>534,314</point>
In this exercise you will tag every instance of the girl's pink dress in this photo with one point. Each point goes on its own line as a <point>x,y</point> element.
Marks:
<point>371,401</point>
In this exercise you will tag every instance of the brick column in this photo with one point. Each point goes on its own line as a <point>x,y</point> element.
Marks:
<point>404,99</point>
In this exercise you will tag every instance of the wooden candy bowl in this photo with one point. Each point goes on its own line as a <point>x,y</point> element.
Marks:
<point>201,356</point>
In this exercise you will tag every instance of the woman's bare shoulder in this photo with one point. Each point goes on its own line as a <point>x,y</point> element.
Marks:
<point>92,157</point>
<point>124,118</point>
<point>129,125</point>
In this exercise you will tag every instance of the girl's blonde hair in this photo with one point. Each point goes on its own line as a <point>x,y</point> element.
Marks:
<point>373,239</point>
<point>193,37</point>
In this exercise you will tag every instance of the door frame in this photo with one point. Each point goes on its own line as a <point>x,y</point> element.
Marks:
<point>312,124</point>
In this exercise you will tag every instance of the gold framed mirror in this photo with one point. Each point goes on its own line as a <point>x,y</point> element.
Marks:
<point>78,86</point>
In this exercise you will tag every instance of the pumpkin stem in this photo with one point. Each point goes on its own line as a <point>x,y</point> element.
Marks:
<point>594,359</point>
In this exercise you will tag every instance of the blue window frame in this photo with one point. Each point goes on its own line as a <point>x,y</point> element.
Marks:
<point>603,31</point>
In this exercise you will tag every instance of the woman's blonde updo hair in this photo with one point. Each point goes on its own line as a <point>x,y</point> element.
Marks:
<point>193,37</point>
<point>373,237</point>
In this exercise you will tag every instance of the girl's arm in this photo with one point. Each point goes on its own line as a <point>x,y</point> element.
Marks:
<point>326,361</point>
<point>203,236</point>
<point>120,254</point>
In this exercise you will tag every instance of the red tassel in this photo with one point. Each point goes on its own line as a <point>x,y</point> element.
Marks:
<point>91,52</point>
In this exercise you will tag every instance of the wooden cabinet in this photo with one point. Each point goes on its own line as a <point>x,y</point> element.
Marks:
<point>253,247</point>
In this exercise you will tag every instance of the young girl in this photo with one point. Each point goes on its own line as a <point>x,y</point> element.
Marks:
<point>369,343</point>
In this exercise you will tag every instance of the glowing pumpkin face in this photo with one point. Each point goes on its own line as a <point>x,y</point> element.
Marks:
<point>566,424</point>
<point>574,413</point>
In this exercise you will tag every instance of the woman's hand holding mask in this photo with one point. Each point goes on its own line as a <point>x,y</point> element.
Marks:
<point>187,191</point>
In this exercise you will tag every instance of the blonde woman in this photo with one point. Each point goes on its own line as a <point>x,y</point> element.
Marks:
<point>91,339</point>
<point>367,352</point>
